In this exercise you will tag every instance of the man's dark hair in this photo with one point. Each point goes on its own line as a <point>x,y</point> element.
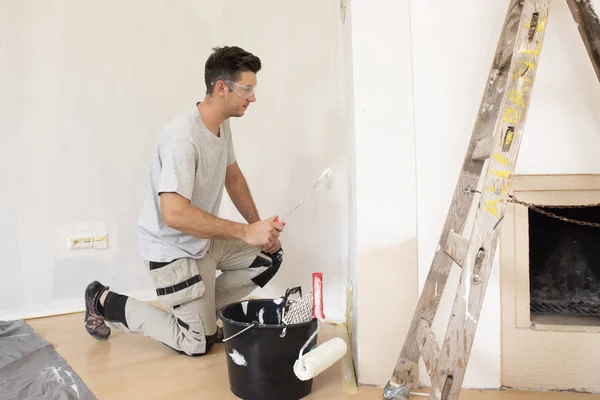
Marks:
<point>227,63</point>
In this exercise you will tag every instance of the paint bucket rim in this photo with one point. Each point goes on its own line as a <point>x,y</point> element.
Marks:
<point>259,326</point>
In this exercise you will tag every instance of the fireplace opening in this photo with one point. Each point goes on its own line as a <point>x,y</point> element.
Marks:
<point>564,266</point>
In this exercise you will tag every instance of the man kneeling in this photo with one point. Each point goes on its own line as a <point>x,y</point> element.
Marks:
<point>180,236</point>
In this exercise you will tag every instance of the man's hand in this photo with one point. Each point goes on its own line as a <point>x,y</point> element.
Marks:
<point>270,249</point>
<point>263,233</point>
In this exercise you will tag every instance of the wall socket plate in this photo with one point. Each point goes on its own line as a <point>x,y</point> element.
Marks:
<point>101,241</point>
<point>87,241</point>
<point>80,241</point>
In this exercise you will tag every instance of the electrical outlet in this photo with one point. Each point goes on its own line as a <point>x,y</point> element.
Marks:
<point>101,241</point>
<point>80,241</point>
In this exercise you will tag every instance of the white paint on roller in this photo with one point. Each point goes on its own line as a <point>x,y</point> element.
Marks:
<point>319,359</point>
<point>327,177</point>
<point>245,307</point>
<point>261,316</point>
<point>238,358</point>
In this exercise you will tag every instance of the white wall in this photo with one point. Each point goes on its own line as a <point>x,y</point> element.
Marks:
<point>85,89</point>
<point>384,143</point>
<point>453,47</point>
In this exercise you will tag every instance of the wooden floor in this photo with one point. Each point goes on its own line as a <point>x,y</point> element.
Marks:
<point>130,366</point>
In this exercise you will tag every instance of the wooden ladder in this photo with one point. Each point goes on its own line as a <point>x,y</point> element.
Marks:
<point>494,144</point>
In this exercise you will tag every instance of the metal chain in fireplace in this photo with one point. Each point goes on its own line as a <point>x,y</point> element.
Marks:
<point>538,208</point>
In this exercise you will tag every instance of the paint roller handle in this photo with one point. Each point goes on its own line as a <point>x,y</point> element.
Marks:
<point>277,220</point>
<point>317,284</point>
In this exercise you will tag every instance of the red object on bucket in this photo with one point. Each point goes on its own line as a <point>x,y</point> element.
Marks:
<point>318,296</point>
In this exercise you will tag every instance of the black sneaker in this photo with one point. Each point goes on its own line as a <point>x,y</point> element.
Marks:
<point>94,320</point>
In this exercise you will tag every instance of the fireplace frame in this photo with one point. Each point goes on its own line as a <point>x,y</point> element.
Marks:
<point>548,353</point>
<point>546,190</point>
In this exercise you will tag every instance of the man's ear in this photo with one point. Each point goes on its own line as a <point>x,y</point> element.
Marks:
<point>221,88</point>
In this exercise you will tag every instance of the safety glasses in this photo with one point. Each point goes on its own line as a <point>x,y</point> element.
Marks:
<point>241,90</point>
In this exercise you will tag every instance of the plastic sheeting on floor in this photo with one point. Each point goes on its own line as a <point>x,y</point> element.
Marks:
<point>30,368</point>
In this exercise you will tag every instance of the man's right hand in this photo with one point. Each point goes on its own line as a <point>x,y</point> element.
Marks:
<point>262,233</point>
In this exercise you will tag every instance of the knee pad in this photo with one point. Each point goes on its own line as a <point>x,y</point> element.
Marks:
<point>193,346</point>
<point>272,262</point>
<point>192,351</point>
<point>183,353</point>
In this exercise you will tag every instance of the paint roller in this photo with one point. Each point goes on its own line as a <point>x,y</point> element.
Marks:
<point>320,358</point>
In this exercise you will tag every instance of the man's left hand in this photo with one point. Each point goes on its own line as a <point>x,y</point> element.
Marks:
<point>272,247</point>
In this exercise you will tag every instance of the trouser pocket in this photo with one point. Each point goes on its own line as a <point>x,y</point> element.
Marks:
<point>194,340</point>
<point>177,282</point>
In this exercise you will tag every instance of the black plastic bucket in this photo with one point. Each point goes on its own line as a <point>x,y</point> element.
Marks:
<point>260,362</point>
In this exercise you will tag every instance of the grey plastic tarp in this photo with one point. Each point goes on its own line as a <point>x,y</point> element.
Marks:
<point>30,367</point>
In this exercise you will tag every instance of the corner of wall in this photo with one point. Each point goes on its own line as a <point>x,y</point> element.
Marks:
<point>383,215</point>
<point>352,291</point>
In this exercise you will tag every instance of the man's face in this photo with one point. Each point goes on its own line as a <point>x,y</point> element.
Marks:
<point>241,94</point>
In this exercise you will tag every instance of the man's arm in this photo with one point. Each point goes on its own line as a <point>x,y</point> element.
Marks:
<point>238,191</point>
<point>179,214</point>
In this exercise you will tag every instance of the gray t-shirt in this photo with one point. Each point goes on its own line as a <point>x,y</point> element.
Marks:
<point>191,161</point>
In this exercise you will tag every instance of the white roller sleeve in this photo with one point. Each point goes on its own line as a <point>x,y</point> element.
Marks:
<point>319,359</point>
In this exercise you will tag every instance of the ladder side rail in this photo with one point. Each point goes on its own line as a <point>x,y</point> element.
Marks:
<point>406,369</point>
<point>462,325</point>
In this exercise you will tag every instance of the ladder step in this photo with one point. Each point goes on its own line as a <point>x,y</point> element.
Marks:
<point>430,349</point>
<point>483,148</point>
<point>456,247</point>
